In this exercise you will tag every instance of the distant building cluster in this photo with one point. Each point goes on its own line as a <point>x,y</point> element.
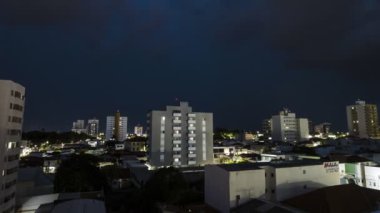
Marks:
<point>91,128</point>
<point>286,167</point>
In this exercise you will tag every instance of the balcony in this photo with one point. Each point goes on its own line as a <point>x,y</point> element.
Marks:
<point>191,115</point>
<point>177,114</point>
<point>192,148</point>
<point>177,128</point>
<point>177,156</point>
<point>192,142</point>
<point>192,135</point>
<point>191,121</point>
<point>176,135</point>
<point>13,151</point>
<point>177,121</point>
<point>192,155</point>
<point>192,128</point>
<point>192,162</point>
<point>177,141</point>
<point>177,149</point>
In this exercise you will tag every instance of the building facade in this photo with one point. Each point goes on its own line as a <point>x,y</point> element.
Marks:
<point>286,127</point>
<point>267,128</point>
<point>139,130</point>
<point>180,137</point>
<point>93,127</point>
<point>12,97</point>
<point>79,127</point>
<point>285,181</point>
<point>230,185</point>
<point>323,129</point>
<point>117,127</point>
<point>362,120</point>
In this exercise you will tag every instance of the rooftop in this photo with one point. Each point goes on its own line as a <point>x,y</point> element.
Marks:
<point>275,164</point>
<point>348,158</point>
<point>294,163</point>
<point>257,205</point>
<point>341,198</point>
<point>239,167</point>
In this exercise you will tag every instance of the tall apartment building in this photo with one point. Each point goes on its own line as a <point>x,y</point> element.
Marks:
<point>93,127</point>
<point>12,96</point>
<point>79,127</point>
<point>267,128</point>
<point>117,127</point>
<point>362,120</point>
<point>139,130</point>
<point>287,128</point>
<point>180,137</point>
<point>323,128</point>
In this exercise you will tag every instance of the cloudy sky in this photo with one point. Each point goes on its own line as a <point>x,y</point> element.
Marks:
<point>242,60</point>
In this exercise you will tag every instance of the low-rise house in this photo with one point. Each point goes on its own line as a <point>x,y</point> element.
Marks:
<point>229,186</point>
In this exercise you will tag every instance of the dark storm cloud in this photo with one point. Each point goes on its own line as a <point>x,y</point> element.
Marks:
<point>96,56</point>
<point>335,36</point>
<point>48,12</point>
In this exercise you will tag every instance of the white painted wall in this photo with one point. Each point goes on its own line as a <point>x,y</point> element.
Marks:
<point>372,177</point>
<point>247,184</point>
<point>288,182</point>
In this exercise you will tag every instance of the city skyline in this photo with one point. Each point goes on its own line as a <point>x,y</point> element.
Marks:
<point>137,56</point>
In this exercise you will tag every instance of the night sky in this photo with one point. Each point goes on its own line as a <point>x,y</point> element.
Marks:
<point>243,60</point>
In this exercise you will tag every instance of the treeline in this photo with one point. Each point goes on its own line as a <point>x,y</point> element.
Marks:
<point>38,137</point>
<point>137,139</point>
<point>226,134</point>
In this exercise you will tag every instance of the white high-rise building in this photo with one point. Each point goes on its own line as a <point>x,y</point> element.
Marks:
<point>12,96</point>
<point>93,127</point>
<point>139,130</point>
<point>362,120</point>
<point>180,137</point>
<point>79,127</point>
<point>287,128</point>
<point>116,127</point>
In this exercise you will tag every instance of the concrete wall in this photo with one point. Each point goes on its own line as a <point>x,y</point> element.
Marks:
<point>216,188</point>
<point>270,183</point>
<point>247,184</point>
<point>294,181</point>
<point>372,177</point>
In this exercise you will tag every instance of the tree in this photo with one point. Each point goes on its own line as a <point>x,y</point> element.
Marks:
<point>167,185</point>
<point>79,174</point>
<point>39,137</point>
